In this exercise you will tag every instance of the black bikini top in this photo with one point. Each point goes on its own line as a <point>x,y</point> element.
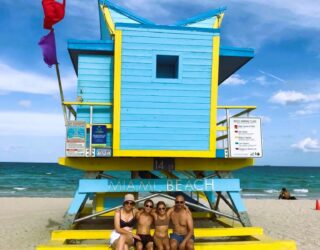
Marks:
<point>129,223</point>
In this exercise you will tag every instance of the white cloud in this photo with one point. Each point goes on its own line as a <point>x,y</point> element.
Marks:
<point>291,96</point>
<point>25,103</point>
<point>272,20</point>
<point>307,8</point>
<point>306,12</point>
<point>262,80</point>
<point>308,145</point>
<point>309,109</point>
<point>31,123</point>
<point>235,80</point>
<point>13,80</point>
<point>248,23</point>
<point>287,97</point>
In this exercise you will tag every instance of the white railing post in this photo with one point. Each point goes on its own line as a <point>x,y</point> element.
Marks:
<point>91,121</point>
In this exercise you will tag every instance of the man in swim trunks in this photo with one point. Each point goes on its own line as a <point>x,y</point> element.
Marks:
<point>144,222</point>
<point>285,195</point>
<point>182,236</point>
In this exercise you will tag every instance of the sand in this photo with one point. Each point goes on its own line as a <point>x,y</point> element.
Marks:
<point>288,219</point>
<point>27,222</point>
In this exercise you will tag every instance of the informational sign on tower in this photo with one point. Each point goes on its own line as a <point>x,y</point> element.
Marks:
<point>76,139</point>
<point>245,138</point>
<point>99,135</point>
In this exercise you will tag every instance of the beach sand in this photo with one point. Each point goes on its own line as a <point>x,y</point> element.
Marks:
<point>27,222</point>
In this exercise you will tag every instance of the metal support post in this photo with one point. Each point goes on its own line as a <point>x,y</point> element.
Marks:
<point>91,120</point>
<point>77,204</point>
<point>61,94</point>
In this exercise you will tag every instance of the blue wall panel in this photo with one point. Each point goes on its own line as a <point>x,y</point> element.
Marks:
<point>95,84</point>
<point>119,18</point>
<point>207,23</point>
<point>165,114</point>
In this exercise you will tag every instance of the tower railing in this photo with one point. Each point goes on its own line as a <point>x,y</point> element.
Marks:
<point>223,124</point>
<point>71,112</point>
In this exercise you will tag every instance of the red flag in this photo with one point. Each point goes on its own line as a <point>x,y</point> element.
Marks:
<point>53,12</point>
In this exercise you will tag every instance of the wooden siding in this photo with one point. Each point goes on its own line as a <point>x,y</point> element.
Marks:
<point>95,84</point>
<point>165,114</point>
<point>207,23</point>
<point>119,18</point>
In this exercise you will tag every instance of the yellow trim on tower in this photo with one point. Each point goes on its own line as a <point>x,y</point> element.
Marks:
<point>214,93</point>
<point>221,128</point>
<point>99,206</point>
<point>211,153</point>
<point>218,22</point>
<point>146,163</point>
<point>108,19</point>
<point>165,153</point>
<point>117,91</point>
<point>237,107</point>
<point>89,103</point>
<point>107,125</point>
<point>117,151</point>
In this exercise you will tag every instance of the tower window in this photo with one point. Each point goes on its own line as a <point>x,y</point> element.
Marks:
<point>167,66</point>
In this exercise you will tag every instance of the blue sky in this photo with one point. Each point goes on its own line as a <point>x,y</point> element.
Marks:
<point>283,80</point>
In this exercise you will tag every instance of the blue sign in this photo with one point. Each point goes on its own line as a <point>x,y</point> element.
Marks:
<point>76,131</point>
<point>158,185</point>
<point>99,134</point>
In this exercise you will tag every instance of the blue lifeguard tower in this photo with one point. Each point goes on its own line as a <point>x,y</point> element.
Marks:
<point>146,122</point>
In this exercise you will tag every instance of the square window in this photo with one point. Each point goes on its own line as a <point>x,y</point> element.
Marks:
<point>167,67</point>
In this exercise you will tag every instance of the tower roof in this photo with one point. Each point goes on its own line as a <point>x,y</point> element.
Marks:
<point>126,13</point>
<point>201,17</point>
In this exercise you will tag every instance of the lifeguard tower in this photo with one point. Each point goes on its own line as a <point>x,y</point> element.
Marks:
<point>146,122</point>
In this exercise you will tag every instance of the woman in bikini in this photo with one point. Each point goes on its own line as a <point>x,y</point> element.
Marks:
<point>124,220</point>
<point>161,223</point>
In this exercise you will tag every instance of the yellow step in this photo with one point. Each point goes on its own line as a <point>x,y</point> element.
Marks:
<point>247,245</point>
<point>237,245</point>
<point>73,247</point>
<point>198,232</point>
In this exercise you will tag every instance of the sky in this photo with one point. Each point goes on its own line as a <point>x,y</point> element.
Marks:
<point>283,79</point>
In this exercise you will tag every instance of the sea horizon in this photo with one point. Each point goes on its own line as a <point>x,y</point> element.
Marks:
<point>260,165</point>
<point>34,179</point>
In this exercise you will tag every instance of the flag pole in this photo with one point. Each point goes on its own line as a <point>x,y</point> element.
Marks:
<point>61,94</point>
<point>53,13</point>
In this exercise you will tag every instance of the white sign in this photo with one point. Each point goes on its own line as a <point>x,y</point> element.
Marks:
<point>103,152</point>
<point>245,137</point>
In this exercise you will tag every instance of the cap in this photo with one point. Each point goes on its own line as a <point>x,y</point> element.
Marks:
<point>128,197</point>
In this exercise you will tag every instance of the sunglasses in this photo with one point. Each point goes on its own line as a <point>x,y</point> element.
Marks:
<point>148,206</point>
<point>161,208</point>
<point>129,203</point>
<point>179,202</point>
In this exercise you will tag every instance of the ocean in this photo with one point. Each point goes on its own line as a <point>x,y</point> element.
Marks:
<point>52,180</point>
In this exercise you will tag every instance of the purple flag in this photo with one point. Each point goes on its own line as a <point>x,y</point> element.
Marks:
<point>48,46</point>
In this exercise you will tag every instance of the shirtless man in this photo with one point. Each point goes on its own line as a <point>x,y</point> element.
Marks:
<point>144,222</point>
<point>285,195</point>
<point>182,236</point>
